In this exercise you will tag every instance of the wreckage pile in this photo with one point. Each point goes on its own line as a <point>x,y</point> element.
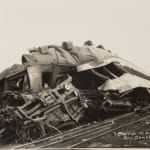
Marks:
<point>61,87</point>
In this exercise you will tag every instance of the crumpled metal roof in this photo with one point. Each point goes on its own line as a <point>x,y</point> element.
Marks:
<point>16,68</point>
<point>73,57</point>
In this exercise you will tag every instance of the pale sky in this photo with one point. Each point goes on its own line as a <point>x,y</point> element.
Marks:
<point>122,26</point>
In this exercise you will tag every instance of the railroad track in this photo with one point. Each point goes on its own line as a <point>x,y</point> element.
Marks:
<point>83,144</point>
<point>83,135</point>
<point>78,130</point>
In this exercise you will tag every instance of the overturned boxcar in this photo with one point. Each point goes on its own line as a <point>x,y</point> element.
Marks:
<point>58,87</point>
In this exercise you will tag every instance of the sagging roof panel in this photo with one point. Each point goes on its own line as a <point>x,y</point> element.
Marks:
<point>61,56</point>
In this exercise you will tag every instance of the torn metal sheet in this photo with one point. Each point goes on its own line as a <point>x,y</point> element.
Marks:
<point>108,60</point>
<point>124,83</point>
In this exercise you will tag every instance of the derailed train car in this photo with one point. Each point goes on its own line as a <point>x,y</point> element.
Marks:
<point>58,87</point>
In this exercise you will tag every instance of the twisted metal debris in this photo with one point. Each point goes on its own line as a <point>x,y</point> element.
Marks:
<point>61,87</point>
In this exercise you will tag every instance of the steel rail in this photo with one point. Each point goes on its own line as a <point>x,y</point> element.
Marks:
<point>65,142</point>
<point>94,138</point>
<point>73,131</point>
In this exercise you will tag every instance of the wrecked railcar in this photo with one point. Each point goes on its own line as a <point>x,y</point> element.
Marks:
<point>57,87</point>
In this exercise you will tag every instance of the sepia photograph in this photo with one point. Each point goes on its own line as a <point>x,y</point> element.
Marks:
<point>74,74</point>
